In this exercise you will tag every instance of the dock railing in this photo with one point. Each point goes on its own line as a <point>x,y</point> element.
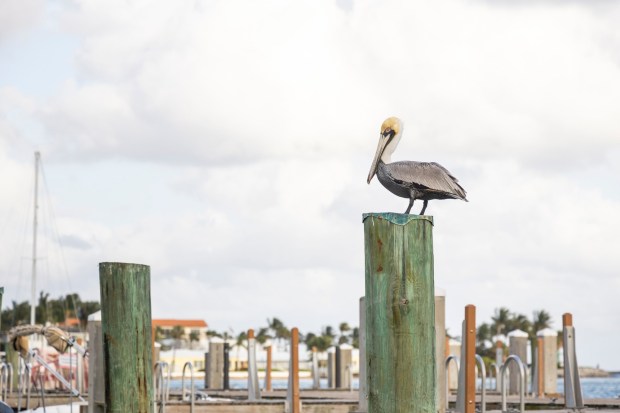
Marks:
<point>455,359</point>
<point>6,380</point>
<point>516,360</point>
<point>192,390</point>
<point>162,385</point>
<point>483,384</point>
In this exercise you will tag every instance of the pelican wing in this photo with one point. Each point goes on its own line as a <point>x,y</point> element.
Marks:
<point>429,176</point>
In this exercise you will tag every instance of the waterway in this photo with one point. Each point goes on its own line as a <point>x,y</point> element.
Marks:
<point>592,388</point>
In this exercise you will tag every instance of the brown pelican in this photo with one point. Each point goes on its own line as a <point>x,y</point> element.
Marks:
<point>409,179</point>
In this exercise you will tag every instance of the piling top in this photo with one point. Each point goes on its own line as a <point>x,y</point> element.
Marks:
<point>567,319</point>
<point>517,333</point>
<point>547,332</point>
<point>397,219</point>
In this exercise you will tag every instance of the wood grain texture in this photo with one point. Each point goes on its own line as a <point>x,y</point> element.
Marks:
<point>400,313</point>
<point>126,326</point>
<point>470,359</point>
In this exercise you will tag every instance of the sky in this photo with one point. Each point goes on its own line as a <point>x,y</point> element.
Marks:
<point>227,143</point>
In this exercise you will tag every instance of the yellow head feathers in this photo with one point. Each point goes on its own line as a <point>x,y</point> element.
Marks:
<point>391,124</point>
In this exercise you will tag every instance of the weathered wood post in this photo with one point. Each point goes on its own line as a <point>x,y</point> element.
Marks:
<point>226,366</point>
<point>268,349</point>
<point>344,360</point>
<point>214,367</point>
<point>549,340</point>
<point>539,369</point>
<point>96,379</point>
<point>293,401</point>
<point>469,339</point>
<point>517,340</point>
<point>363,388</point>
<point>440,347</point>
<point>126,328</point>
<point>400,314</point>
<point>331,367</point>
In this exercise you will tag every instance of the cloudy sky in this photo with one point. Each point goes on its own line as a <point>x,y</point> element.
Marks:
<point>227,144</point>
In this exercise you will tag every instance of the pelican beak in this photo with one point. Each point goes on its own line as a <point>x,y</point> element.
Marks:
<point>383,141</point>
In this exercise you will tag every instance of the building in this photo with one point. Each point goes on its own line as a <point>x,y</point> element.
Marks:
<point>193,332</point>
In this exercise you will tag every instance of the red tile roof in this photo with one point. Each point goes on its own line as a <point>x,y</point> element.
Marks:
<point>171,322</point>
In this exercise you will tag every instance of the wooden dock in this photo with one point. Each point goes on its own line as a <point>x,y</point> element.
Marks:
<point>326,401</point>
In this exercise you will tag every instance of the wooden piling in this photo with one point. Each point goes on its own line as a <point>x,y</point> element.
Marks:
<point>363,388</point>
<point>1,294</point>
<point>540,364</point>
<point>470,358</point>
<point>293,402</point>
<point>268,369</point>
<point>126,327</point>
<point>400,335</point>
<point>440,348</point>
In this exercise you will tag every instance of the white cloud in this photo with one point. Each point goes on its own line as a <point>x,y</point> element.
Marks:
<point>19,15</point>
<point>258,122</point>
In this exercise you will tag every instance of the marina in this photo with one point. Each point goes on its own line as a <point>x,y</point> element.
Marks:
<point>213,222</point>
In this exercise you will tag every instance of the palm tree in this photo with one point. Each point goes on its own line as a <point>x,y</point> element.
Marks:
<point>193,336</point>
<point>177,333</point>
<point>344,327</point>
<point>322,342</point>
<point>355,337</point>
<point>328,331</point>
<point>484,335</point>
<point>540,319</point>
<point>500,320</point>
<point>519,322</point>
<point>263,335</point>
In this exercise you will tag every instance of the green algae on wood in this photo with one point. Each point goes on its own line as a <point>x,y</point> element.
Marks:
<point>126,327</point>
<point>400,313</point>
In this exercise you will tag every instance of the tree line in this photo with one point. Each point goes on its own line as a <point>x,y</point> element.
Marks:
<point>276,330</point>
<point>53,310</point>
<point>503,322</point>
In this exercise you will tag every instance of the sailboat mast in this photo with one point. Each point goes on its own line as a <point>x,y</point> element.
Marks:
<point>33,291</point>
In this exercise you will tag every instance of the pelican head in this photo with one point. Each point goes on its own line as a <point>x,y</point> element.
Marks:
<point>391,131</point>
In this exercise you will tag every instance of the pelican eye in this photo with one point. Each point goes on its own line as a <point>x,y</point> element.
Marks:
<point>388,133</point>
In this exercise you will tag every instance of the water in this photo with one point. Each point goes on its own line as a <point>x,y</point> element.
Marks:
<point>592,388</point>
<point>596,387</point>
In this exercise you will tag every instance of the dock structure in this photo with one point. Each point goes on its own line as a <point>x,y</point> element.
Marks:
<point>517,346</point>
<point>214,374</point>
<point>400,313</point>
<point>126,327</point>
